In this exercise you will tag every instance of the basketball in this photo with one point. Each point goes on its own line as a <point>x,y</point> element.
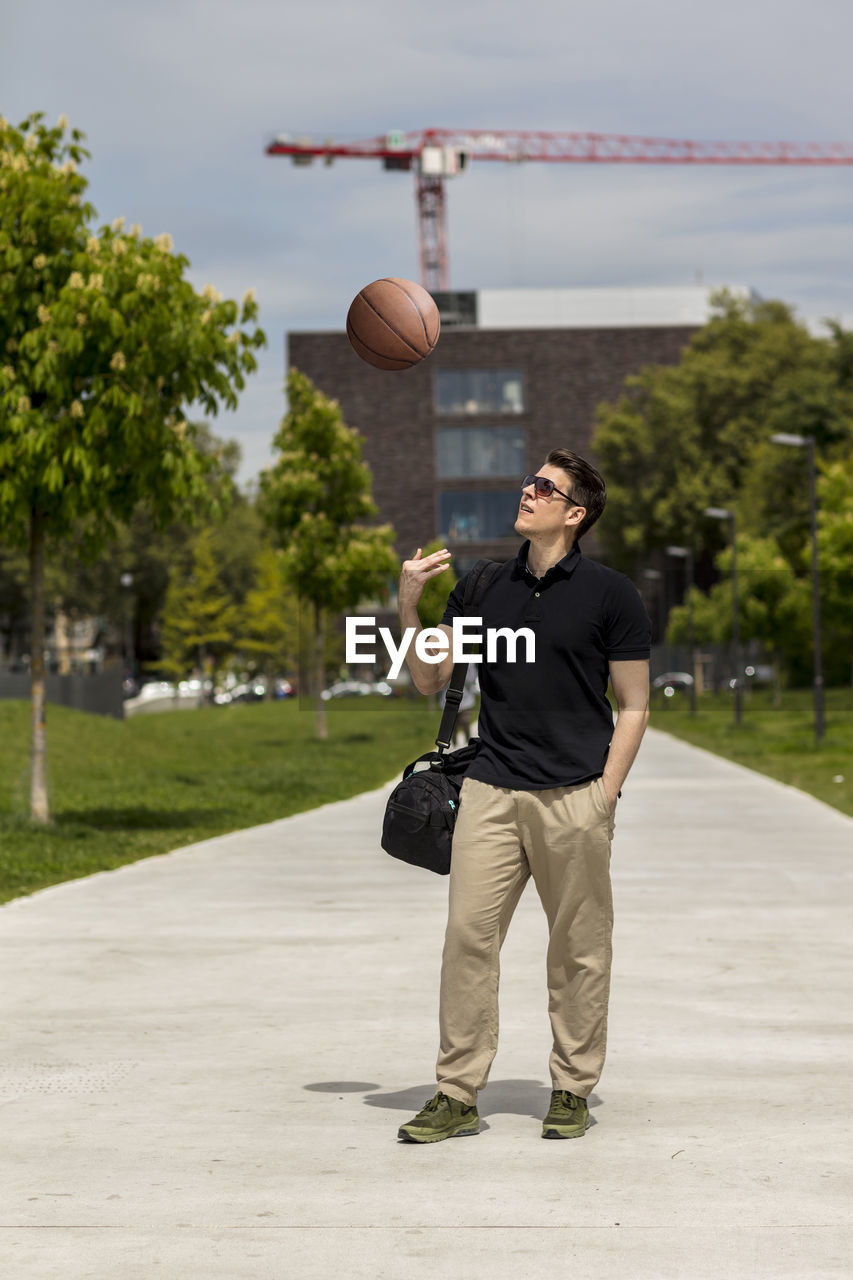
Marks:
<point>393,324</point>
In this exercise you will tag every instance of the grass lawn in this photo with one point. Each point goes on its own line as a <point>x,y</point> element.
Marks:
<point>122,790</point>
<point>780,742</point>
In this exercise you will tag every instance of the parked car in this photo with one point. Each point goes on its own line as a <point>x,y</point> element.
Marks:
<point>252,691</point>
<point>357,689</point>
<point>154,689</point>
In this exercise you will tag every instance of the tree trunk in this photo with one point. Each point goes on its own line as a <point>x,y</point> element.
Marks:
<point>322,731</point>
<point>39,808</point>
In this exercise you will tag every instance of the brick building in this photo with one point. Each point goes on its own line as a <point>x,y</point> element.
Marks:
<point>515,373</point>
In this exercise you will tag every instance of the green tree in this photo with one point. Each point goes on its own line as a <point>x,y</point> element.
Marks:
<point>835,552</point>
<point>773,602</point>
<point>772,605</point>
<point>92,585</point>
<point>200,619</point>
<point>269,620</point>
<point>238,542</point>
<point>709,625</point>
<point>316,500</point>
<point>104,346</point>
<point>697,434</point>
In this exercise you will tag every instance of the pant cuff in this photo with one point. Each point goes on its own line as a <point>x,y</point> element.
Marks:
<point>571,1086</point>
<point>456,1091</point>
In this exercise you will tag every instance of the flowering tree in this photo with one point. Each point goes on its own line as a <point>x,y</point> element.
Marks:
<point>104,346</point>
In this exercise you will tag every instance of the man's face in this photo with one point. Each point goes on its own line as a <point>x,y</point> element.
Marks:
<point>547,517</point>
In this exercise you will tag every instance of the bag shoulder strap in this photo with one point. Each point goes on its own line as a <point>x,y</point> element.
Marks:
<point>479,578</point>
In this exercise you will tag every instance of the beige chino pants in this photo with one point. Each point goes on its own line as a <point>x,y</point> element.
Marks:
<point>561,838</point>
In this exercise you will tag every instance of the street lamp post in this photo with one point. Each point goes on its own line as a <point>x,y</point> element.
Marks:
<point>686,554</point>
<point>807,442</point>
<point>722,513</point>
<point>127,583</point>
<point>652,578</point>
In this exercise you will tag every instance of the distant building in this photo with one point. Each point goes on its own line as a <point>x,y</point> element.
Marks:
<point>516,372</point>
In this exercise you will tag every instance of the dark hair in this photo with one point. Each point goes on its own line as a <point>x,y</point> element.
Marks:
<point>587,488</point>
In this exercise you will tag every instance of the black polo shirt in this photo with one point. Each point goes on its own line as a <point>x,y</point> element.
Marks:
<point>549,723</point>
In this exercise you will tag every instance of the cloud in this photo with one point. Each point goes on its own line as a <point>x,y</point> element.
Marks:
<point>179,98</point>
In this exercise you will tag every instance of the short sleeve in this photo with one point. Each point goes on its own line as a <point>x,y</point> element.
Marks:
<point>628,628</point>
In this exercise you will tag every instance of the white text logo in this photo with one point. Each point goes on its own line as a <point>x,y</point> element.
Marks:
<point>432,644</point>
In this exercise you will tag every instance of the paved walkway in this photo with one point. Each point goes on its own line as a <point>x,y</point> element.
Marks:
<point>207,1056</point>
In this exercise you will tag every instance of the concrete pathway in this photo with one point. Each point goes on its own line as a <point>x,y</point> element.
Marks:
<point>207,1056</point>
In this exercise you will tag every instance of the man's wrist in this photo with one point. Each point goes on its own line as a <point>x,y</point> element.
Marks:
<point>611,786</point>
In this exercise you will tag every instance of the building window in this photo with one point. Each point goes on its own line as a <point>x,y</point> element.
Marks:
<point>470,515</point>
<point>480,451</point>
<point>479,391</point>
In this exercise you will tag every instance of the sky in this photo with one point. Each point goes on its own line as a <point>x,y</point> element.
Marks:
<point>179,99</point>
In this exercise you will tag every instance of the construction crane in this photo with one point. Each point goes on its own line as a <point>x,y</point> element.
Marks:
<point>434,155</point>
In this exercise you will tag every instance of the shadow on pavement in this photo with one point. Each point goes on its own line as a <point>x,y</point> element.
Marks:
<point>503,1097</point>
<point>340,1086</point>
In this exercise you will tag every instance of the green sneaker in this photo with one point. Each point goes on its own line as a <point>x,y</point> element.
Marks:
<point>567,1116</point>
<point>442,1117</point>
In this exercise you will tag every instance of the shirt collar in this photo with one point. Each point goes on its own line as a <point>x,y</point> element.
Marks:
<point>564,567</point>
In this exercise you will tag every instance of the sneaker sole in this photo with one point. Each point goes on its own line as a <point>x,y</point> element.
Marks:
<point>404,1136</point>
<point>554,1131</point>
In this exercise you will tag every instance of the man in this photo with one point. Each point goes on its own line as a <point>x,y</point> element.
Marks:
<point>539,799</point>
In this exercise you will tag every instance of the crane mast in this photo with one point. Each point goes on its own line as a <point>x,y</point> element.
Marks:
<point>434,155</point>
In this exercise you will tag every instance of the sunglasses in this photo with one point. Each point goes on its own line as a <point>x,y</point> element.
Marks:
<point>545,488</point>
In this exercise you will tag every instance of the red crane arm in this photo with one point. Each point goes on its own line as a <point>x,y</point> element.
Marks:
<point>435,154</point>
<point>569,148</point>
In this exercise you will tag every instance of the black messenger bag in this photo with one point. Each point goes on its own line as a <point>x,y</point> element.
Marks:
<point>421,811</point>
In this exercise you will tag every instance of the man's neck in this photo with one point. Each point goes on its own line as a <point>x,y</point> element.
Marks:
<point>542,558</point>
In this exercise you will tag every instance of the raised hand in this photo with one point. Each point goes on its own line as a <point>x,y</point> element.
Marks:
<point>416,572</point>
